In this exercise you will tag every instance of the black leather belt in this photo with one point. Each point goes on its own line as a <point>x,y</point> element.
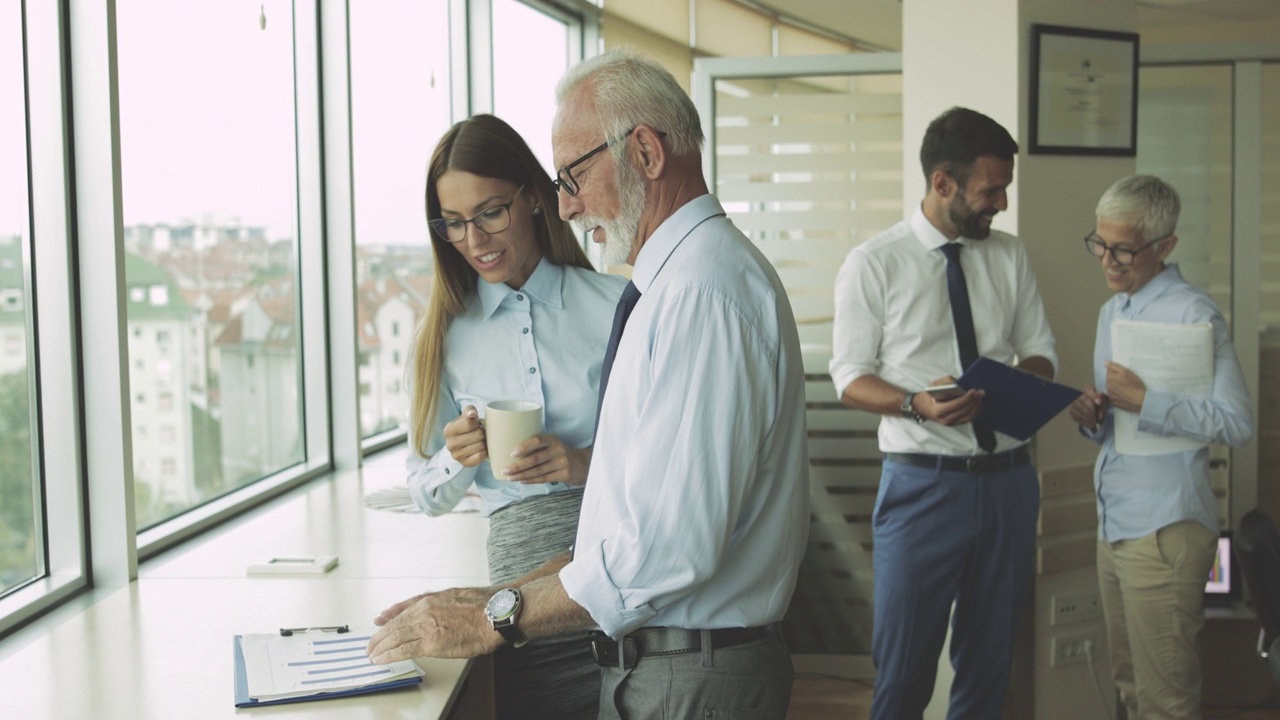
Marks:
<point>973,464</point>
<point>647,642</point>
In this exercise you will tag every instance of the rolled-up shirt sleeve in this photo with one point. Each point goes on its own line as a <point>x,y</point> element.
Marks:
<point>690,463</point>
<point>438,483</point>
<point>858,321</point>
<point>1224,416</point>
<point>1030,335</point>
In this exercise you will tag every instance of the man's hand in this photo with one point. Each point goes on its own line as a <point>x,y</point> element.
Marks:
<point>1126,390</point>
<point>956,411</point>
<point>446,624</point>
<point>464,437</point>
<point>546,459</point>
<point>1089,409</point>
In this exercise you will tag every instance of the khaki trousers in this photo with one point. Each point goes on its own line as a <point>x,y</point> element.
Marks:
<point>1152,591</point>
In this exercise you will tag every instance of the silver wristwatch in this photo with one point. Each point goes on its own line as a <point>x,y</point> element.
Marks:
<point>503,610</point>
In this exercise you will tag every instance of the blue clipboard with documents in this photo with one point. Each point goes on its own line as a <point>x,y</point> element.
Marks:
<point>1017,403</point>
<point>302,667</point>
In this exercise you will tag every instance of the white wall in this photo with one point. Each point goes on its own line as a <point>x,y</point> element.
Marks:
<point>977,54</point>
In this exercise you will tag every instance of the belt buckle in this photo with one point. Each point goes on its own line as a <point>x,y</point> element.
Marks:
<point>604,650</point>
<point>973,464</point>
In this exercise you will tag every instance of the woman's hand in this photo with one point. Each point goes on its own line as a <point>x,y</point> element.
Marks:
<point>1126,390</point>
<point>545,459</point>
<point>1088,410</point>
<point>464,437</point>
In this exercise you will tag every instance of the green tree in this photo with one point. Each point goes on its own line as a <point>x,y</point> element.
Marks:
<point>17,484</point>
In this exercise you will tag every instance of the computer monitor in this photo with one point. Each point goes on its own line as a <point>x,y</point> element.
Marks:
<point>1223,586</point>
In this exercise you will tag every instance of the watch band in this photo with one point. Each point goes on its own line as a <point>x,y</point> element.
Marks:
<point>909,410</point>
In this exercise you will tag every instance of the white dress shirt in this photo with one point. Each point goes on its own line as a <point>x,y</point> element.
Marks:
<point>696,511</point>
<point>545,343</point>
<point>893,320</point>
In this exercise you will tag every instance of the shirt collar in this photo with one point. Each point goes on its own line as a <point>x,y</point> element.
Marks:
<point>1154,288</point>
<point>928,235</point>
<point>658,248</point>
<point>544,285</point>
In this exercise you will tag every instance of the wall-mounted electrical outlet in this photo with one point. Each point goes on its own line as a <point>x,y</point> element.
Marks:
<point>1073,607</point>
<point>1076,648</point>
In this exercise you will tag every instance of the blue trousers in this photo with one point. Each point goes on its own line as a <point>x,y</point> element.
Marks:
<point>942,537</point>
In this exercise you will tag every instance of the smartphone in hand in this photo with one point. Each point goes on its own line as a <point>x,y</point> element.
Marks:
<point>949,391</point>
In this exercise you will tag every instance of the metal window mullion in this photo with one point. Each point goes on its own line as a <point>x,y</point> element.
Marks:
<point>98,234</point>
<point>1246,261</point>
<point>327,235</point>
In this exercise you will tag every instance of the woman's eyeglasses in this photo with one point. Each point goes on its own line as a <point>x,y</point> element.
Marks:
<point>1122,256</point>
<point>490,221</point>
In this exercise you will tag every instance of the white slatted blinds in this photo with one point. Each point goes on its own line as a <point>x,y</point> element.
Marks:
<point>808,167</point>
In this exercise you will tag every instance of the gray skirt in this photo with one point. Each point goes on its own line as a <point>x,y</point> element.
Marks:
<point>551,677</point>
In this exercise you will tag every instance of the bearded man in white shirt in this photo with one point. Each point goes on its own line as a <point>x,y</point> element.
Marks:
<point>955,516</point>
<point>696,511</point>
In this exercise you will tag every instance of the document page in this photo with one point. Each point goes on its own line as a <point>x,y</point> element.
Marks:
<point>313,662</point>
<point>1169,358</point>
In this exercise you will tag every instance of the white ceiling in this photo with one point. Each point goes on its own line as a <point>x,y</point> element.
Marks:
<point>878,23</point>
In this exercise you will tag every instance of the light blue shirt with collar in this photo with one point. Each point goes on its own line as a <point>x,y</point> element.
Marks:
<point>1138,495</point>
<point>696,511</point>
<point>545,343</point>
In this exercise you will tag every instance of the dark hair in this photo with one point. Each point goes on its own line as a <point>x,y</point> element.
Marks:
<point>957,138</point>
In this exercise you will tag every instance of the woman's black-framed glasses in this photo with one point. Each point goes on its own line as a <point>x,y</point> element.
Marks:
<point>1122,256</point>
<point>491,221</point>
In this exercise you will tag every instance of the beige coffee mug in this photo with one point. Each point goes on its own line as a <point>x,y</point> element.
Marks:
<point>507,423</point>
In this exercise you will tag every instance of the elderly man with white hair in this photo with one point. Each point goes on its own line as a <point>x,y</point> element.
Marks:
<point>1157,515</point>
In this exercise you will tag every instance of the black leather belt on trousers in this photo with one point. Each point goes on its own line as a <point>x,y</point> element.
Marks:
<point>647,642</point>
<point>973,464</point>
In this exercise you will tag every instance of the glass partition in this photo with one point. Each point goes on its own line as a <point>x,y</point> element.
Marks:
<point>209,186</point>
<point>21,540</point>
<point>400,86</point>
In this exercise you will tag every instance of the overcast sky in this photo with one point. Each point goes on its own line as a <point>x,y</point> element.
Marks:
<point>207,108</point>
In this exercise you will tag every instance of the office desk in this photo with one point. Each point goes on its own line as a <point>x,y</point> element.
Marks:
<point>161,647</point>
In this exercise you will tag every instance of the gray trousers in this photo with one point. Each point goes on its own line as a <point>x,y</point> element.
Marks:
<point>751,681</point>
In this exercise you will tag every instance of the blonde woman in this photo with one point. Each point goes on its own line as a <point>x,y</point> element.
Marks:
<point>516,313</point>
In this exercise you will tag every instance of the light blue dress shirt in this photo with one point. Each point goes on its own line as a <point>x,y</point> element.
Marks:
<point>696,511</point>
<point>1138,495</point>
<point>545,343</point>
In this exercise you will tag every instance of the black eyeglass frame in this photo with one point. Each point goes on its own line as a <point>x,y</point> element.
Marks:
<point>564,176</point>
<point>1092,240</point>
<point>439,225</point>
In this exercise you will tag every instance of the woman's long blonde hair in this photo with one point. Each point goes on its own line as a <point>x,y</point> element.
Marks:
<point>487,146</point>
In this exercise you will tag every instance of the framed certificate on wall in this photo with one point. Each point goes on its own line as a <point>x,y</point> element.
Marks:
<point>1084,91</point>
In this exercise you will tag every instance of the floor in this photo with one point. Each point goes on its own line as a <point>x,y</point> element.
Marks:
<point>823,698</point>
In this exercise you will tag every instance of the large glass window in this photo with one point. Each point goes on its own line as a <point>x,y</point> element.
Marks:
<point>209,187</point>
<point>400,108</point>
<point>21,544</point>
<point>530,53</point>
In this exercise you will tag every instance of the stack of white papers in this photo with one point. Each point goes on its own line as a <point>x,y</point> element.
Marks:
<point>314,663</point>
<point>1171,358</point>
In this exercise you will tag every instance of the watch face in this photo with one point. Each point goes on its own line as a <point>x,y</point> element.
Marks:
<point>501,604</point>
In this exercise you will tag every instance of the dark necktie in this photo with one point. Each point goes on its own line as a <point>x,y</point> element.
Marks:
<point>630,296</point>
<point>962,315</point>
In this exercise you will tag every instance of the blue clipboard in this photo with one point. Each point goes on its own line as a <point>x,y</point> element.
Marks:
<point>242,685</point>
<point>1017,403</point>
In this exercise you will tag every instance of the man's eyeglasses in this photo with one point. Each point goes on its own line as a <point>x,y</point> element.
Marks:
<point>564,177</point>
<point>1122,256</point>
<point>490,221</point>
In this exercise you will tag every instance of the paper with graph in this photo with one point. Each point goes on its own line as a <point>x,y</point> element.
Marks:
<point>314,663</point>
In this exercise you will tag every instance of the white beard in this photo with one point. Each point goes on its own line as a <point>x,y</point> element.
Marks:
<point>620,232</point>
